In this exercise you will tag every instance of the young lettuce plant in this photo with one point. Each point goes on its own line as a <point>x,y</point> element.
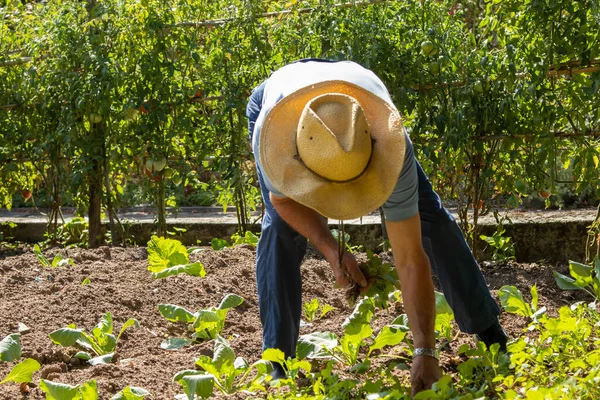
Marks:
<point>513,302</point>
<point>62,391</point>
<point>583,277</point>
<point>10,350</point>
<point>356,329</point>
<point>206,324</point>
<point>100,340</point>
<point>224,371</point>
<point>131,393</point>
<point>167,257</point>
<point>443,317</point>
<point>311,310</point>
<point>384,281</point>
<point>57,261</point>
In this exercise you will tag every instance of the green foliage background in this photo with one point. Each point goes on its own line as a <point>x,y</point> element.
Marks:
<point>505,105</point>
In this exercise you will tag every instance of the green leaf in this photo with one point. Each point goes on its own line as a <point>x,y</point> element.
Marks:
<point>361,316</point>
<point>443,312</point>
<point>130,322</point>
<point>175,343</point>
<point>390,335</point>
<point>194,269</point>
<point>103,359</point>
<point>223,355</point>
<point>89,390</point>
<point>131,393</point>
<point>580,271</point>
<point>218,244</point>
<point>86,282</point>
<point>565,282</point>
<point>82,355</point>
<point>60,261</point>
<point>513,302</point>
<point>10,348</point>
<point>165,253</point>
<point>316,345</point>
<point>66,336</point>
<point>201,385</point>
<point>23,371</point>
<point>274,355</point>
<point>105,325</point>
<point>41,258</point>
<point>59,391</point>
<point>175,313</point>
<point>534,297</point>
<point>230,301</point>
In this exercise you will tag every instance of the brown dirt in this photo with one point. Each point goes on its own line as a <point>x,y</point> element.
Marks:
<point>48,299</point>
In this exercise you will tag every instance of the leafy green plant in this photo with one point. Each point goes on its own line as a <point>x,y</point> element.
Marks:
<point>227,372</point>
<point>513,302</point>
<point>206,324</point>
<point>22,372</point>
<point>502,246</point>
<point>351,248</point>
<point>168,257</point>
<point>357,328</point>
<point>248,238</point>
<point>443,317</point>
<point>292,366</point>
<point>62,391</point>
<point>583,277</point>
<point>10,348</point>
<point>313,310</point>
<point>57,261</point>
<point>384,280</point>
<point>100,341</point>
<point>131,393</point>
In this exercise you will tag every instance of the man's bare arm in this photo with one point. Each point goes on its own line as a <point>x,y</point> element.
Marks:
<point>418,297</point>
<point>313,226</point>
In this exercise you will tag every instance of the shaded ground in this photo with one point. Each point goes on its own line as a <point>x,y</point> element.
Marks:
<point>45,300</point>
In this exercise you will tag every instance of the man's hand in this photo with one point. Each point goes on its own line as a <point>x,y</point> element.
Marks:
<point>425,371</point>
<point>346,271</point>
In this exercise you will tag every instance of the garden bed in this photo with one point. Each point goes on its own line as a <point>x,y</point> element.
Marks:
<point>48,299</point>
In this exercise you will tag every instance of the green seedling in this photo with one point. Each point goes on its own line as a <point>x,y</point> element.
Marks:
<point>384,281</point>
<point>168,257</point>
<point>583,277</point>
<point>224,371</point>
<point>248,238</point>
<point>513,302</point>
<point>313,310</point>
<point>100,341</point>
<point>57,261</point>
<point>206,324</point>
<point>443,317</point>
<point>62,391</point>
<point>10,348</point>
<point>131,393</point>
<point>22,372</point>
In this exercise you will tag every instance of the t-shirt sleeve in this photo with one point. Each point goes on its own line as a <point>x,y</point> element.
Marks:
<point>403,203</point>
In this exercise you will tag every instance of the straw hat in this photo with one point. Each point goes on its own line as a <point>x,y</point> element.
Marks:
<point>334,147</point>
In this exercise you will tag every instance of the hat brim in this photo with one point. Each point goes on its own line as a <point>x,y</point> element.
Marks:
<point>348,200</point>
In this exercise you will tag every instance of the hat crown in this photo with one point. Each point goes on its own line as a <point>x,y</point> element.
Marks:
<point>333,138</point>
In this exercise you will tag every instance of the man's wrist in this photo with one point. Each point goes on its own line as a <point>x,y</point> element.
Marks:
<point>425,351</point>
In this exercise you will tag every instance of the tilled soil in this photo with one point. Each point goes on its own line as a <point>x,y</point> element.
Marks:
<point>48,299</point>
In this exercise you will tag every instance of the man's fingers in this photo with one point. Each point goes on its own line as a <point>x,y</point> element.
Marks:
<point>366,288</point>
<point>340,278</point>
<point>358,277</point>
